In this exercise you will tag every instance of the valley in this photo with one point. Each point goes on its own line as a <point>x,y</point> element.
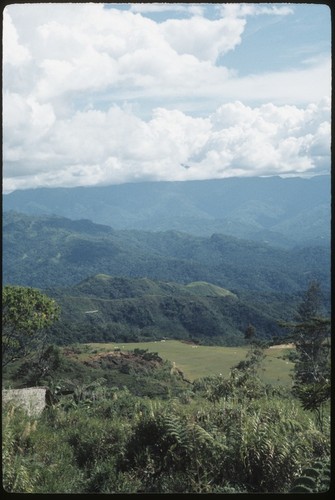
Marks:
<point>152,285</point>
<point>175,354</point>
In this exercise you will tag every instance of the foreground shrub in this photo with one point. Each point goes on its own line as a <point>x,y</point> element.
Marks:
<point>17,475</point>
<point>36,459</point>
<point>121,443</point>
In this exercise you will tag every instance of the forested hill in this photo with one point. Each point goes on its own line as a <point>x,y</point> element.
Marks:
<point>281,211</point>
<point>54,251</point>
<point>118,309</point>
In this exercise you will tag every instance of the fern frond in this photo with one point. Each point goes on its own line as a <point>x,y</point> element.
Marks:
<point>301,489</point>
<point>176,430</point>
<point>315,479</point>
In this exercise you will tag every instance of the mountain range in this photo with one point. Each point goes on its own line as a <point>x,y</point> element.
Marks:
<point>197,260</point>
<point>281,211</point>
<point>44,251</point>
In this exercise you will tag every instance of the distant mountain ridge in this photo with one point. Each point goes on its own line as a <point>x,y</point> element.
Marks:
<point>44,251</point>
<point>281,211</point>
<point>130,285</point>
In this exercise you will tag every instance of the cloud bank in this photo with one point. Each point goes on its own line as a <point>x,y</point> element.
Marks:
<point>100,96</point>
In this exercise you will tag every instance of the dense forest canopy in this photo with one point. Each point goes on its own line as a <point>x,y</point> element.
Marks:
<point>52,251</point>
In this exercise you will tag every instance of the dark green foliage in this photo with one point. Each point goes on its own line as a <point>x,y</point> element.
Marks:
<point>314,479</point>
<point>166,445</point>
<point>139,309</point>
<point>311,337</point>
<point>40,367</point>
<point>26,313</point>
<point>36,459</point>
<point>51,251</point>
<point>312,396</point>
<point>250,333</point>
<point>100,438</point>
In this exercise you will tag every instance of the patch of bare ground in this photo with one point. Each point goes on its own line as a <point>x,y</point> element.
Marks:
<point>124,358</point>
<point>282,346</point>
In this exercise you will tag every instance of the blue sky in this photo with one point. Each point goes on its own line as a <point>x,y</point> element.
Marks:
<point>97,94</point>
<point>283,42</point>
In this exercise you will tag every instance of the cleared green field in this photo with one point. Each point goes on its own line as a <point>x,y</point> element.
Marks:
<point>201,361</point>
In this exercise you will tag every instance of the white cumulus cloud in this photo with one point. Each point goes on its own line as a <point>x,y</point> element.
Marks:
<point>206,39</point>
<point>15,53</point>
<point>95,95</point>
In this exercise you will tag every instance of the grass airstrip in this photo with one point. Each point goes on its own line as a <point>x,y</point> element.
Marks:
<point>198,361</point>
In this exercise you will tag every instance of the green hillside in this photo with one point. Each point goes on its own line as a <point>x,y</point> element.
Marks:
<point>105,308</point>
<point>145,285</point>
<point>54,251</point>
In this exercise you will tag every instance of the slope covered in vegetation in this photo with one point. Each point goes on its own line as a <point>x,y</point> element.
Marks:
<point>54,251</point>
<point>105,308</point>
<point>159,434</point>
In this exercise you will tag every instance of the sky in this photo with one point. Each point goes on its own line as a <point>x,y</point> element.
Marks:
<point>100,94</point>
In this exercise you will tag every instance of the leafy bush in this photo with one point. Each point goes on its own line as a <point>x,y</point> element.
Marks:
<point>17,477</point>
<point>35,458</point>
<point>220,435</point>
<point>313,479</point>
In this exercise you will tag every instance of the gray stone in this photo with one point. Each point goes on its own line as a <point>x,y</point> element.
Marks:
<point>32,399</point>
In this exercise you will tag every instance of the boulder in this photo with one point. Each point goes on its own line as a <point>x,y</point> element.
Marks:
<point>32,399</point>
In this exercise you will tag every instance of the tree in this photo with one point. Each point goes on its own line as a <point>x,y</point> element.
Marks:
<point>250,333</point>
<point>26,313</point>
<point>310,335</point>
<point>41,366</point>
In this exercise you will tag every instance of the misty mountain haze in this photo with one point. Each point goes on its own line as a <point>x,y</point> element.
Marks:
<point>280,211</point>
